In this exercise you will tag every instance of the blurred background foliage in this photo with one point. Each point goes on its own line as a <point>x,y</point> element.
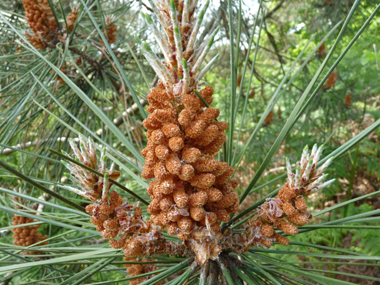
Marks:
<point>36,115</point>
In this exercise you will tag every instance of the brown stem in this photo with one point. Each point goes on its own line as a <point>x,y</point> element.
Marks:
<point>194,267</point>
<point>274,45</point>
<point>225,260</point>
<point>213,272</point>
<point>205,272</point>
<point>271,12</point>
<point>85,56</point>
<point>147,7</point>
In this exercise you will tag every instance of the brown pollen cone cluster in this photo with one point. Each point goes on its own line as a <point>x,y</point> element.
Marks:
<point>331,80</point>
<point>60,79</point>
<point>269,118</point>
<point>348,100</point>
<point>72,18</point>
<point>124,226</point>
<point>116,220</point>
<point>41,21</point>
<point>191,193</point>
<point>137,269</point>
<point>111,30</point>
<point>321,52</point>
<point>28,235</point>
<point>287,211</point>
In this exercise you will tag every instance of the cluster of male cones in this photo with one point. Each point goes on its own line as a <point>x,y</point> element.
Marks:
<point>269,118</point>
<point>333,77</point>
<point>42,22</point>
<point>116,220</point>
<point>331,80</point>
<point>348,99</point>
<point>137,269</point>
<point>45,28</point>
<point>26,235</point>
<point>191,192</point>
<point>46,32</point>
<point>111,30</point>
<point>287,210</point>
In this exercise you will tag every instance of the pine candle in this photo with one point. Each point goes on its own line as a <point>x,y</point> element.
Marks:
<point>191,192</point>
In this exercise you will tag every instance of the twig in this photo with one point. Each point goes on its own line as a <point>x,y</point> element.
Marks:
<point>148,8</point>
<point>271,51</point>
<point>274,45</point>
<point>14,148</point>
<point>226,269</point>
<point>271,12</point>
<point>213,272</point>
<point>205,272</point>
<point>86,57</point>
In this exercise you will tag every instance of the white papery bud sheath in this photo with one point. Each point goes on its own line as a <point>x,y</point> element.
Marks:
<point>289,171</point>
